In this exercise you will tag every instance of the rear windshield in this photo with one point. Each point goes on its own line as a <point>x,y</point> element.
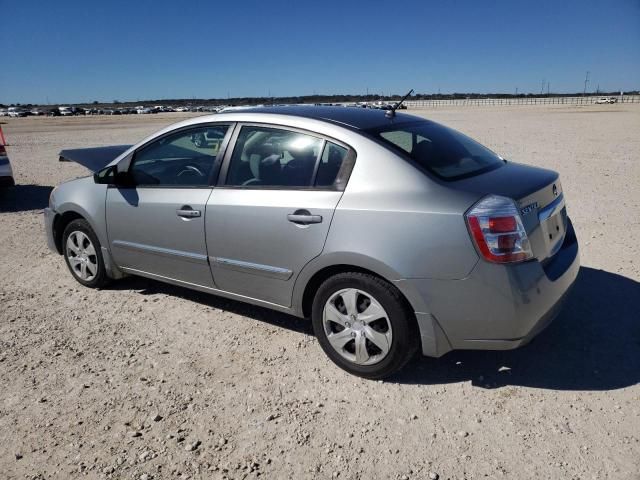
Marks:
<point>441,150</point>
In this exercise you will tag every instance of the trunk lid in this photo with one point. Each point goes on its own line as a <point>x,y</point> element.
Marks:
<point>538,194</point>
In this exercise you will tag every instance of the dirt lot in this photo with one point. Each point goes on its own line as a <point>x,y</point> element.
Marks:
<point>144,380</point>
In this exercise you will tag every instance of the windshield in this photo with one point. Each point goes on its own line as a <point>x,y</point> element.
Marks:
<point>441,150</point>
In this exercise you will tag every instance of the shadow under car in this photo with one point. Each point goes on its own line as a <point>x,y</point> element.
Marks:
<point>594,344</point>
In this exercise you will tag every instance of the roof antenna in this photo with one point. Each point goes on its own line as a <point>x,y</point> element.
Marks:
<point>392,111</point>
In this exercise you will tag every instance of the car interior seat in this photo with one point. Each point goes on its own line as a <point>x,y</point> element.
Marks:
<point>270,170</point>
<point>252,174</point>
<point>299,170</point>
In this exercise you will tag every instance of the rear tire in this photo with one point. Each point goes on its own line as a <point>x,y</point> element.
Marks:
<point>364,325</point>
<point>82,253</point>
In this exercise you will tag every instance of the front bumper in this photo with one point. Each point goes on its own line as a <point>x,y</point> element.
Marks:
<point>6,173</point>
<point>7,182</point>
<point>499,307</point>
<point>49,217</point>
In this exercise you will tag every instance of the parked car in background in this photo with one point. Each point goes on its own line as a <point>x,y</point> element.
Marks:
<point>606,100</point>
<point>37,112</point>
<point>17,112</point>
<point>208,136</point>
<point>391,232</point>
<point>4,112</point>
<point>65,111</point>
<point>6,172</point>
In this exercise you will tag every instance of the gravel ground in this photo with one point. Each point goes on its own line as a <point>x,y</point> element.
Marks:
<point>149,381</point>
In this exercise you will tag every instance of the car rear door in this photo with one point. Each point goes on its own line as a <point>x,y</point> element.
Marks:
<point>156,226</point>
<point>272,208</point>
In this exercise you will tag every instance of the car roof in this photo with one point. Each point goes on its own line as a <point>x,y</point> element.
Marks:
<point>358,118</point>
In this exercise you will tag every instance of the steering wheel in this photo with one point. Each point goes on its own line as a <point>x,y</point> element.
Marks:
<point>251,181</point>
<point>191,168</point>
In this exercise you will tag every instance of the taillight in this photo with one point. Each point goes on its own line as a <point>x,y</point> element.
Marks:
<point>497,231</point>
<point>3,151</point>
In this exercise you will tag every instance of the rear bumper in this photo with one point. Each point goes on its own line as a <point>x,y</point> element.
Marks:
<point>499,307</point>
<point>49,216</point>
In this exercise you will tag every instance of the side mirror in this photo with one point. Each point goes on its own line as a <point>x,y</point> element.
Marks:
<point>111,176</point>
<point>107,175</point>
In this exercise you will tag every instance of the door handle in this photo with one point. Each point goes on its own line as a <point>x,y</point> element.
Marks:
<point>304,217</point>
<point>187,212</point>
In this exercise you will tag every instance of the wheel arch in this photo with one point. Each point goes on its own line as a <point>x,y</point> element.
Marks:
<point>60,222</point>
<point>325,266</point>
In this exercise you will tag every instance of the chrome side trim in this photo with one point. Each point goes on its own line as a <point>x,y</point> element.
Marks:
<point>164,252</point>
<point>551,209</point>
<point>252,268</point>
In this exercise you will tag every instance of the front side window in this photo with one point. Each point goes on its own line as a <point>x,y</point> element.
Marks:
<point>185,158</point>
<point>441,150</point>
<point>270,157</point>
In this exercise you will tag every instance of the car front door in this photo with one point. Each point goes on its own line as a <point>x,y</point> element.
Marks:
<point>156,222</point>
<point>271,211</point>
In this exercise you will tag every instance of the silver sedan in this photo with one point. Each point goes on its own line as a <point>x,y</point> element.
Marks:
<point>392,233</point>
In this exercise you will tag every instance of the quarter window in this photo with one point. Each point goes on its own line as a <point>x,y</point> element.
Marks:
<point>186,158</point>
<point>269,157</point>
<point>332,159</point>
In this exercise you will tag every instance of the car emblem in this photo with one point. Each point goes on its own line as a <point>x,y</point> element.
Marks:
<point>529,208</point>
<point>555,190</point>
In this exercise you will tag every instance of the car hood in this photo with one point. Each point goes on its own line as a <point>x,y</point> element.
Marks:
<point>93,158</point>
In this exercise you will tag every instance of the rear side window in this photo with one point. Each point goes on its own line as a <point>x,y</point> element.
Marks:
<point>265,157</point>
<point>441,150</point>
<point>270,157</point>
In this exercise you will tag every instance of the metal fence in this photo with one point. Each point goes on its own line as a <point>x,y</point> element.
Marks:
<point>587,100</point>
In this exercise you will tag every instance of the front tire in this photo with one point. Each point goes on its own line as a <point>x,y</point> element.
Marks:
<point>82,253</point>
<point>364,325</point>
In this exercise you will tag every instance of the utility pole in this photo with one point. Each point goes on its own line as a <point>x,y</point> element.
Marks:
<point>548,87</point>
<point>586,80</point>
<point>542,87</point>
<point>516,91</point>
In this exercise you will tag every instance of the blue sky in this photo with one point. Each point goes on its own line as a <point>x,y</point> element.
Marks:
<point>80,51</point>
